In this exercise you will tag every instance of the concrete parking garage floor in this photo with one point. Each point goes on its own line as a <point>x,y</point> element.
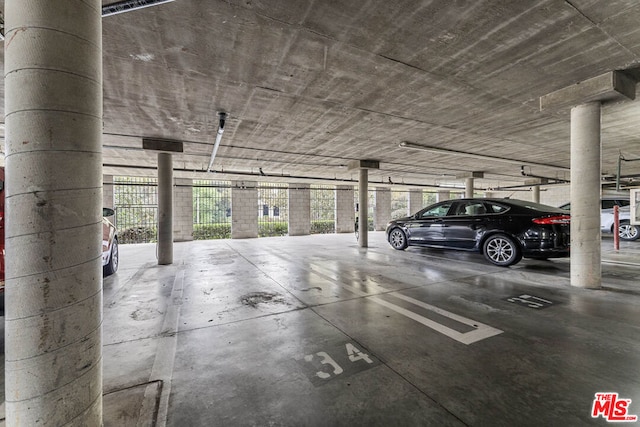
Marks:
<point>315,331</point>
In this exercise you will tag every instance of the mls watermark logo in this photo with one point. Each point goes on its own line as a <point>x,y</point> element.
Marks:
<point>611,408</point>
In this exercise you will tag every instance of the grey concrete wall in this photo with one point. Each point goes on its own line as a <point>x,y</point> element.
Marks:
<point>244,209</point>
<point>382,213</point>
<point>443,195</point>
<point>345,210</point>
<point>299,209</point>
<point>183,210</point>
<point>415,201</point>
<point>108,192</point>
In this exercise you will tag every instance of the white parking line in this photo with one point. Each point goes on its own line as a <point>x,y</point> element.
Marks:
<point>480,332</point>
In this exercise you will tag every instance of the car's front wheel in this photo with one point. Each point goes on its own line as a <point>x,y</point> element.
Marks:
<point>501,250</point>
<point>397,239</point>
<point>628,232</point>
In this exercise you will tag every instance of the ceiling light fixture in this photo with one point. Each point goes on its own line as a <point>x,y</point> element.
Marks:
<point>411,145</point>
<point>223,118</point>
<point>129,5</point>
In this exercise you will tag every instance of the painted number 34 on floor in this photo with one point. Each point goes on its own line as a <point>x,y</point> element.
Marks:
<point>339,361</point>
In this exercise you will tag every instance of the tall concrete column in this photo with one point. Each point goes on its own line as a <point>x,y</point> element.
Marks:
<point>585,196</point>
<point>165,209</point>
<point>363,213</point>
<point>53,117</point>
<point>468,188</point>
<point>536,193</point>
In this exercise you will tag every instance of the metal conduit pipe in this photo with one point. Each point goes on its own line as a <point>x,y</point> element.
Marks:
<point>53,300</point>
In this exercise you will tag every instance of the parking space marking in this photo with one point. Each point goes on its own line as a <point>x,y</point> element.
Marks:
<point>480,332</point>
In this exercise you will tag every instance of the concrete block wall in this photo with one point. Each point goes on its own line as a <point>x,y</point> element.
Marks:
<point>345,209</point>
<point>415,201</point>
<point>299,209</point>
<point>182,210</point>
<point>443,195</point>
<point>382,214</point>
<point>108,192</point>
<point>244,209</point>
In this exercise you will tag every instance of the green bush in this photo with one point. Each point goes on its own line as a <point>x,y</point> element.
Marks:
<point>138,235</point>
<point>271,229</point>
<point>323,226</point>
<point>212,231</point>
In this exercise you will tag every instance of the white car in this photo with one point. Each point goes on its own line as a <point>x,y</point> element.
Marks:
<point>626,231</point>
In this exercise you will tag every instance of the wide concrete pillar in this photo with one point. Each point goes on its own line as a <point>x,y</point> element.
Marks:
<point>382,214</point>
<point>585,196</point>
<point>443,195</point>
<point>165,209</point>
<point>468,188</point>
<point>53,300</point>
<point>415,201</point>
<point>363,212</point>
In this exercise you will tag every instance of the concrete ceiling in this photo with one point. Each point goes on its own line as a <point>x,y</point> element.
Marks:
<point>310,85</point>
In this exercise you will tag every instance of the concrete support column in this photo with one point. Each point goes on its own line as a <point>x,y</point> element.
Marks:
<point>299,210</point>
<point>183,210</point>
<point>415,201</point>
<point>585,196</point>
<point>536,193</point>
<point>165,208</point>
<point>244,210</point>
<point>383,209</point>
<point>468,188</point>
<point>53,300</point>
<point>345,212</point>
<point>444,195</point>
<point>363,213</point>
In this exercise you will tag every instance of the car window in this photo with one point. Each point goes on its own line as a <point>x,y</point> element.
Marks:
<point>438,210</point>
<point>623,202</point>
<point>495,208</point>
<point>608,204</point>
<point>469,208</point>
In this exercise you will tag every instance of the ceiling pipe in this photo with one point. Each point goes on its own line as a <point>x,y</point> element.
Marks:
<point>223,118</point>
<point>411,145</point>
<point>129,5</point>
<point>554,180</point>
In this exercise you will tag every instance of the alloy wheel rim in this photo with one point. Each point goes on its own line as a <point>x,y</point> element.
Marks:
<point>397,239</point>
<point>627,231</point>
<point>500,250</point>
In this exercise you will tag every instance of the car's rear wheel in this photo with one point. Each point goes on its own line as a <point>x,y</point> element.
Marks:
<point>112,266</point>
<point>628,232</point>
<point>501,250</point>
<point>397,239</point>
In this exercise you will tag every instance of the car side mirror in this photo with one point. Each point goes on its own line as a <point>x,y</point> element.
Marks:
<point>108,212</point>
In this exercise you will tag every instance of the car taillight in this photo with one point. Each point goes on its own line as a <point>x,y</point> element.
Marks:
<point>555,219</point>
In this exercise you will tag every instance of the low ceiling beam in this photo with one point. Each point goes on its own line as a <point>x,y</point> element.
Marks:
<point>165,145</point>
<point>607,87</point>
<point>363,164</point>
<point>475,174</point>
